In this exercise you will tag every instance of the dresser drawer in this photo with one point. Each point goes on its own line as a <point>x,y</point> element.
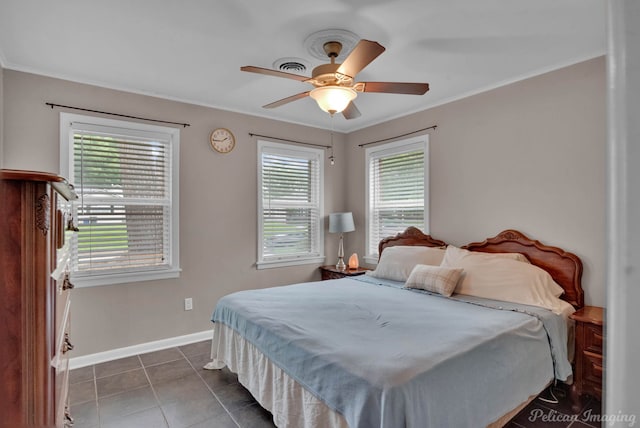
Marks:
<point>62,392</point>
<point>63,341</point>
<point>60,363</point>
<point>593,339</point>
<point>63,297</point>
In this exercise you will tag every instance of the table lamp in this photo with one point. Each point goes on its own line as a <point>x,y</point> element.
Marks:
<point>341,223</point>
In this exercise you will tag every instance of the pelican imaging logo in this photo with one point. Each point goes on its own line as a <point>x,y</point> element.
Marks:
<point>587,416</point>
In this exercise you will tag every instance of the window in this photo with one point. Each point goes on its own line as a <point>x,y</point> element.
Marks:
<point>397,190</point>
<point>290,205</point>
<point>126,177</point>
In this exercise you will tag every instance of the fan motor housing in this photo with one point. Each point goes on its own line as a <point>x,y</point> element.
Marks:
<point>327,74</point>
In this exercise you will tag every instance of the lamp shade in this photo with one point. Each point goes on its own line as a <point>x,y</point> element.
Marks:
<point>333,99</point>
<point>341,222</point>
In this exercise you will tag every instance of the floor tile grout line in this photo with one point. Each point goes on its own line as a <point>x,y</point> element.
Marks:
<point>155,394</point>
<point>161,362</point>
<point>211,390</point>
<point>118,373</point>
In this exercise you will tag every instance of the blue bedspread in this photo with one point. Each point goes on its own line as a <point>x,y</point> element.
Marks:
<point>384,356</point>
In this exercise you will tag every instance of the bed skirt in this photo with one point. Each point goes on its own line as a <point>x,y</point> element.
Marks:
<point>291,405</point>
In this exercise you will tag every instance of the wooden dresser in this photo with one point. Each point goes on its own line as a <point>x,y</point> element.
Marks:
<point>36,223</point>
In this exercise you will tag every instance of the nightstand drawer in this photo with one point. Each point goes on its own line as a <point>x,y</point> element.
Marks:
<point>593,339</point>
<point>593,368</point>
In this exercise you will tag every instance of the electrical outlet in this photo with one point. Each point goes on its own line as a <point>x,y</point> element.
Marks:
<point>188,304</point>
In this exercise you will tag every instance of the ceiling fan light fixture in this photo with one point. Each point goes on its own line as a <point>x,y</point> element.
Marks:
<point>333,99</point>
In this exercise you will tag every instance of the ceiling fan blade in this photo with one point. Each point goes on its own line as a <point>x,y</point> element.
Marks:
<point>364,52</point>
<point>287,100</point>
<point>396,87</point>
<point>351,112</point>
<point>276,73</point>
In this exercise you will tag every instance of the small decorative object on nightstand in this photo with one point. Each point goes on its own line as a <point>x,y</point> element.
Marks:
<point>587,377</point>
<point>331,272</point>
<point>353,261</point>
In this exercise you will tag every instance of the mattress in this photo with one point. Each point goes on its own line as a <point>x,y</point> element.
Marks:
<point>376,354</point>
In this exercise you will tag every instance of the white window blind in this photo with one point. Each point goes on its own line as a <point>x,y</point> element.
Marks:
<point>397,189</point>
<point>290,204</point>
<point>126,211</point>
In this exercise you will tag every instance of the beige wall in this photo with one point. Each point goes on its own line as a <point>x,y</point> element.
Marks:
<point>528,156</point>
<point>217,209</point>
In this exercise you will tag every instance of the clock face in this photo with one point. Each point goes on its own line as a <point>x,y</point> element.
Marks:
<point>222,140</point>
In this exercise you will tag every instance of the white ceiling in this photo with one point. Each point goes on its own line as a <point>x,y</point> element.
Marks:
<point>192,50</point>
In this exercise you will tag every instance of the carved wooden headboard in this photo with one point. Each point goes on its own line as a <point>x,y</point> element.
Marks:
<point>411,237</point>
<point>564,267</point>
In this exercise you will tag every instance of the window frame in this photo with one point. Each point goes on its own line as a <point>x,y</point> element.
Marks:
<point>171,269</point>
<point>290,150</point>
<point>390,149</point>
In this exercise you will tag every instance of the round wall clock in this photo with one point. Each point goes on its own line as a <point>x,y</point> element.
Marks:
<point>222,140</point>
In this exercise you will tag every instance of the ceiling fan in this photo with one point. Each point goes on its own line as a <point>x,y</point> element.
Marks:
<point>334,84</point>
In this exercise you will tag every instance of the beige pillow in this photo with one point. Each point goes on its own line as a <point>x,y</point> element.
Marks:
<point>454,253</point>
<point>396,263</point>
<point>436,279</point>
<point>506,279</point>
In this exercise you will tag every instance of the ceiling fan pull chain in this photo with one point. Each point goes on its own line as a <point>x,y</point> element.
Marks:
<point>332,159</point>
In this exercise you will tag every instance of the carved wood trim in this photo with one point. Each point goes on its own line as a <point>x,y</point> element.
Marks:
<point>43,213</point>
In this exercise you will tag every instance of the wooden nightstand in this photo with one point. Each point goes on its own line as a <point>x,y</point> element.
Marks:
<point>587,377</point>
<point>330,272</point>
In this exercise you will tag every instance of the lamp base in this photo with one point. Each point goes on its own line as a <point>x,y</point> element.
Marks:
<point>341,265</point>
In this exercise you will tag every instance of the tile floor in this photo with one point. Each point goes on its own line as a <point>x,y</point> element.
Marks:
<point>167,388</point>
<point>543,414</point>
<point>170,389</point>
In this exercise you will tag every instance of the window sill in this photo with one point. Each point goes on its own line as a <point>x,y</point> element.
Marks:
<point>285,263</point>
<point>125,277</point>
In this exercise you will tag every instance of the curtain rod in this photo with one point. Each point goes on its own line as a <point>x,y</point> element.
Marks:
<point>251,134</point>
<point>119,115</point>
<point>398,136</point>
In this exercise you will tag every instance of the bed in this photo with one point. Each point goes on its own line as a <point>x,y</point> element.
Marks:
<point>370,352</point>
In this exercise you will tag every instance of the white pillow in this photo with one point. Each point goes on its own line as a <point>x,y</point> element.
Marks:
<point>506,279</point>
<point>453,254</point>
<point>396,263</point>
<point>436,279</point>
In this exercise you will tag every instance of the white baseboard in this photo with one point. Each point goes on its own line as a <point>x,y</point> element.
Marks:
<point>157,345</point>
